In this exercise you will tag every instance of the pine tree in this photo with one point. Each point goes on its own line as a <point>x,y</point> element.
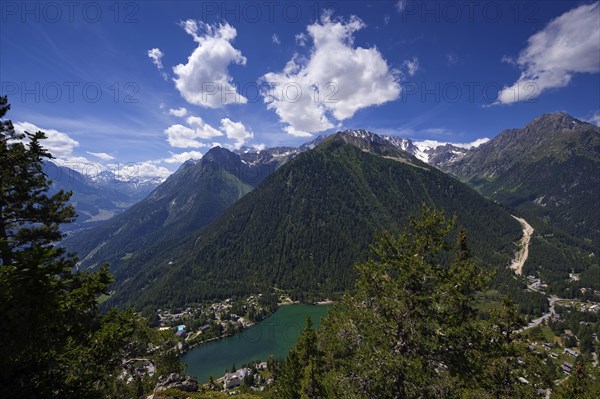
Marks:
<point>409,330</point>
<point>55,342</point>
<point>301,373</point>
<point>44,305</point>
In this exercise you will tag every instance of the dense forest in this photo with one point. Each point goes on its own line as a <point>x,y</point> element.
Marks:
<point>304,226</point>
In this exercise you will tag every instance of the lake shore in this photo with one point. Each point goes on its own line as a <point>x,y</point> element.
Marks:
<point>188,347</point>
<point>274,336</point>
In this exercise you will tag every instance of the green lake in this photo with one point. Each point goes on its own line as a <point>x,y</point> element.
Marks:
<point>275,335</point>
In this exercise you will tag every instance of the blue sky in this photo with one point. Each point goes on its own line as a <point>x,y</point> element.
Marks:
<point>153,83</point>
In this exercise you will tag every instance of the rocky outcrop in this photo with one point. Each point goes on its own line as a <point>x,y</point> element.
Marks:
<point>176,381</point>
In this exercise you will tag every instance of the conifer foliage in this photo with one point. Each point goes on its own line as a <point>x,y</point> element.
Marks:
<point>55,344</point>
<point>410,329</point>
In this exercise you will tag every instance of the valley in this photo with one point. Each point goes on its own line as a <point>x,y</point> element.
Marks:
<point>227,256</point>
<point>300,200</point>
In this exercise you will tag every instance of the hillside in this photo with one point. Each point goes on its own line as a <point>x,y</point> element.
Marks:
<point>187,201</point>
<point>305,226</point>
<point>549,168</point>
<point>196,194</point>
<point>549,171</point>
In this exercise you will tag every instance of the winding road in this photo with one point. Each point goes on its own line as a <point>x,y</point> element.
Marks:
<point>553,300</point>
<point>523,253</point>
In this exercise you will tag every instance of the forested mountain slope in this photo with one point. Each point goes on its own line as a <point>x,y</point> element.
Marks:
<point>188,200</point>
<point>305,226</point>
<point>549,171</point>
<point>549,168</point>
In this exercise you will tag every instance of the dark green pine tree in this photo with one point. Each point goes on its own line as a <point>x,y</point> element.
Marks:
<point>409,330</point>
<point>301,375</point>
<point>43,305</point>
<point>55,343</point>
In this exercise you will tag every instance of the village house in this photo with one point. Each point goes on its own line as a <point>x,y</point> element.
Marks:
<point>569,351</point>
<point>566,367</point>
<point>233,380</point>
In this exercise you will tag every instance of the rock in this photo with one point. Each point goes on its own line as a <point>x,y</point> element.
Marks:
<point>176,381</point>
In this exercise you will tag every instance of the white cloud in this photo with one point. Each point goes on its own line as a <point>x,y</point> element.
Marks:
<point>156,55</point>
<point>191,136</point>
<point>139,170</point>
<point>101,155</point>
<point>203,129</point>
<point>275,39</point>
<point>181,136</point>
<point>400,5</point>
<point>236,131</point>
<point>205,79</point>
<point>568,45</point>
<point>411,66</point>
<point>59,144</point>
<point>301,39</point>
<point>435,143</point>
<point>472,144</point>
<point>595,119</point>
<point>338,79</point>
<point>182,157</point>
<point>178,112</point>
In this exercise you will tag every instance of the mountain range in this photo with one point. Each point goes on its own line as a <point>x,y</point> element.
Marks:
<point>550,168</point>
<point>234,223</point>
<point>97,198</point>
<point>301,229</point>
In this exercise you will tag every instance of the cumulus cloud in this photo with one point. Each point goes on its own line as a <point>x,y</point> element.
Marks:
<point>101,155</point>
<point>411,66</point>
<point>204,80</point>
<point>568,45</point>
<point>336,81</point>
<point>181,136</point>
<point>156,56</point>
<point>192,136</point>
<point>178,112</point>
<point>235,131</point>
<point>58,143</point>
<point>61,146</point>
<point>182,157</point>
<point>275,39</point>
<point>204,130</point>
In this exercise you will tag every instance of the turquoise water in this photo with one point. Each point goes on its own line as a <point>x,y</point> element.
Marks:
<point>273,336</point>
